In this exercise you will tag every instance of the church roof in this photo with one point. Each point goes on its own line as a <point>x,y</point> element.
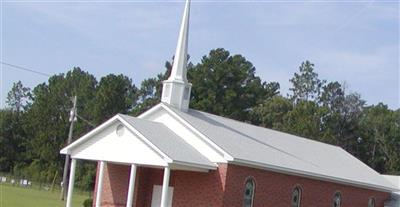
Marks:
<point>146,140</point>
<point>282,152</point>
<point>168,142</point>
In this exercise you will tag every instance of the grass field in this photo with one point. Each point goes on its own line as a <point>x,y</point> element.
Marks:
<point>11,196</point>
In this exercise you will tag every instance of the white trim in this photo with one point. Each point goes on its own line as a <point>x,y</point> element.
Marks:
<point>198,133</point>
<point>311,175</point>
<point>131,189</point>
<point>206,167</point>
<point>146,141</point>
<point>252,164</point>
<point>71,183</point>
<point>70,148</point>
<point>150,111</point>
<point>165,187</point>
<point>202,137</point>
<point>66,150</point>
<point>100,184</point>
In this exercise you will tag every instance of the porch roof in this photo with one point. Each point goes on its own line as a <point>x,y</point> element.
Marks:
<point>168,142</point>
<point>144,136</point>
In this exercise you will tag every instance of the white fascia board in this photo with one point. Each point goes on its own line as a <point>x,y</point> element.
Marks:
<point>125,163</point>
<point>150,111</point>
<point>67,149</point>
<point>214,146</point>
<point>143,138</point>
<point>394,179</point>
<point>197,166</point>
<point>311,175</point>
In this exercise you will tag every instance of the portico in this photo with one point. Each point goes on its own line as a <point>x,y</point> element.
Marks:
<point>130,141</point>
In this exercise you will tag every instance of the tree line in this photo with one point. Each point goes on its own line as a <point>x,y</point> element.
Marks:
<point>34,125</point>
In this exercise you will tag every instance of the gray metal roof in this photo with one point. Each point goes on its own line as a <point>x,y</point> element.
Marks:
<point>249,143</point>
<point>168,142</point>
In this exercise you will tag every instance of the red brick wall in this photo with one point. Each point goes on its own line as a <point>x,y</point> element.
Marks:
<point>275,190</point>
<point>190,188</point>
<point>199,189</point>
<point>115,185</point>
<point>148,177</point>
<point>194,188</point>
<point>225,187</point>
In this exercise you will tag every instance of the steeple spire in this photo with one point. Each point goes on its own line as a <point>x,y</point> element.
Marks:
<point>176,90</point>
<point>178,71</point>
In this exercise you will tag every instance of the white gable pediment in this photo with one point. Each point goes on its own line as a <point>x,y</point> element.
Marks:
<point>123,147</point>
<point>188,133</point>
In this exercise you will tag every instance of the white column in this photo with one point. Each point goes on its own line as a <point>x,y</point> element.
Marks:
<point>164,193</point>
<point>71,183</point>
<point>129,200</point>
<point>100,184</point>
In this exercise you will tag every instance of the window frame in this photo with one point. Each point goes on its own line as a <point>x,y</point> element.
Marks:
<point>251,179</point>
<point>340,197</point>
<point>300,189</point>
<point>371,199</point>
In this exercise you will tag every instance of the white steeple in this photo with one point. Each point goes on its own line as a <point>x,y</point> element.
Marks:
<point>176,90</point>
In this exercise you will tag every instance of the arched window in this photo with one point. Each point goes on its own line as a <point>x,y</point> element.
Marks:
<point>337,200</point>
<point>371,202</point>
<point>296,197</point>
<point>249,193</point>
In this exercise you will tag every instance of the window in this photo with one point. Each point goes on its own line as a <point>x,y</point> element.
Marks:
<point>371,202</point>
<point>337,200</point>
<point>186,93</point>
<point>249,193</point>
<point>120,130</point>
<point>166,90</point>
<point>296,197</point>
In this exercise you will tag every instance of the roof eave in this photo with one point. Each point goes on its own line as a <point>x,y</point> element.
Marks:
<point>311,175</point>
<point>67,149</point>
<point>212,166</point>
<point>204,138</point>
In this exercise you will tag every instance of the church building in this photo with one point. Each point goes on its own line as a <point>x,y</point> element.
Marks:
<point>174,156</point>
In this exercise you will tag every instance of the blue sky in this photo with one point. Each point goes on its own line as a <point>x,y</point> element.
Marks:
<point>356,43</point>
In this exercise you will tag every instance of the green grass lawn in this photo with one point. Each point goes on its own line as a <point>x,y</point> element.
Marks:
<point>11,196</point>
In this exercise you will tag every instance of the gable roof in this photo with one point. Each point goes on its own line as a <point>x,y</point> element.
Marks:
<point>258,146</point>
<point>157,136</point>
<point>168,142</point>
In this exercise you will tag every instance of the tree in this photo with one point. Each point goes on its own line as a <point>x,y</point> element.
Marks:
<point>18,97</point>
<point>332,96</point>
<point>349,123</point>
<point>272,113</point>
<point>114,94</point>
<point>13,139</point>
<point>305,120</point>
<point>226,85</point>
<point>381,139</point>
<point>150,91</point>
<point>306,85</point>
<point>7,141</point>
<point>332,101</point>
<point>47,119</point>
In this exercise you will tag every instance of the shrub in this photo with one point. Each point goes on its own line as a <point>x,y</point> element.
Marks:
<point>88,202</point>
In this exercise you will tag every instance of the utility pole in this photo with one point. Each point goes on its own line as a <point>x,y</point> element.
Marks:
<point>72,119</point>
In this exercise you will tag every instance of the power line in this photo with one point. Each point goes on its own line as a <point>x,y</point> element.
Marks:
<point>43,74</point>
<point>85,120</point>
<point>25,69</point>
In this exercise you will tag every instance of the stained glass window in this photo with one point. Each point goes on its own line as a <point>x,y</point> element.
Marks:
<point>371,202</point>
<point>249,193</point>
<point>337,200</point>
<point>296,197</point>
